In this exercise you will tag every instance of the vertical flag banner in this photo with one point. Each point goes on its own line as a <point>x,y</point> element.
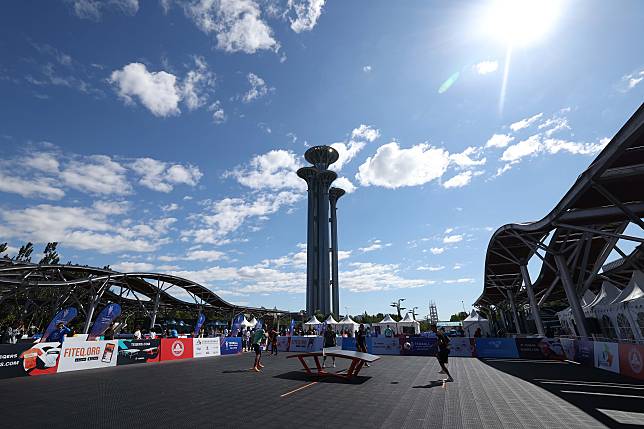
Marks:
<point>199,324</point>
<point>237,324</point>
<point>260,324</point>
<point>65,316</point>
<point>291,328</point>
<point>104,320</point>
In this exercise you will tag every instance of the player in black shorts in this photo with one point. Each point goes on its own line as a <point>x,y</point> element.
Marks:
<point>361,341</point>
<point>443,352</point>
<point>329,341</point>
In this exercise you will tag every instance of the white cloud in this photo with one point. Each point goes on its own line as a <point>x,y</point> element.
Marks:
<point>631,80</point>
<point>35,187</point>
<point>196,85</point>
<point>371,277</point>
<point>204,255</point>
<point>366,69</point>
<point>161,176</point>
<point>451,239</point>
<point>459,281</point>
<point>218,114</point>
<point>170,207</point>
<point>97,174</point>
<point>457,266</point>
<point>273,170</point>
<point>237,24</point>
<point>458,181</point>
<point>132,267</point>
<point>359,138</point>
<point>157,91</point>
<point>527,147</point>
<point>93,9</point>
<point>485,67</point>
<point>307,13</point>
<point>431,268</point>
<point>499,140</point>
<point>344,183</point>
<point>375,245</point>
<point>465,158</point>
<point>393,167</point>
<point>258,88</point>
<point>437,250</point>
<point>556,145</point>
<point>365,132</point>
<point>525,123</point>
<point>554,125</point>
<point>504,169</point>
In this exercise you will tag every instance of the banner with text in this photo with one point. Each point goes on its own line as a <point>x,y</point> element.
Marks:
<point>79,355</point>
<point>631,360</point>
<point>11,360</point>
<point>205,347</point>
<point>540,348</point>
<point>138,351</point>
<point>231,345</point>
<point>176,348</point>
<point>417,346</point>
<point>606,356</point>
<point>461,347</point>
<point>496,348</point>
<point>384,346</point>
<point>104,320</point>
<point>306,344</point>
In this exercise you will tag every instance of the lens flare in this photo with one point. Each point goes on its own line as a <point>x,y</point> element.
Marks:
<point>449,82</point>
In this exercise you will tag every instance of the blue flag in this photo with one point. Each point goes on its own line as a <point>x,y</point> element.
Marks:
<point>104,320</point>
<point>237,324</point>
<point>260,324</point>
<point>199,324</point>
<point>291,328</point>
<point>64,316</point>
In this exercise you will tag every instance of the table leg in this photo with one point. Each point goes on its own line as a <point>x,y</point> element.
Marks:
<point>306,367</point>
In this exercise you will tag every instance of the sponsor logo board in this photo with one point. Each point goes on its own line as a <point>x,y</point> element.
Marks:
<point>631,360</point>
<point>496,348</point>
<point>176,348</point>
<point>205,347</point>
<point>78,355</point>
<point>138,351</point>
<point>606,356</point>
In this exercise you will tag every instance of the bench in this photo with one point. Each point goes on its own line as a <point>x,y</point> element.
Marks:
<point>358,359</point>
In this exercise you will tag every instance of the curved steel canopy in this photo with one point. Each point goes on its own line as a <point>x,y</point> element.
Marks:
<point>584,227</point>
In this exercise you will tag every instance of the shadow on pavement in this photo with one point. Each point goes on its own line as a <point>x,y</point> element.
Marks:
<point>614,400</point>
<point>303,376</point>
<point>437,383</point>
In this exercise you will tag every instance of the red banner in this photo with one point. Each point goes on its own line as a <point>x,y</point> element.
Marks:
<point>631,360</point>
<point>176,348</point>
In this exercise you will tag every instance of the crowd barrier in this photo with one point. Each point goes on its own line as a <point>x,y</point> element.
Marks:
<point>74,354</point>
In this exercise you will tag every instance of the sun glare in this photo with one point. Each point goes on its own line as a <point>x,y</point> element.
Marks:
<point>520,22</point>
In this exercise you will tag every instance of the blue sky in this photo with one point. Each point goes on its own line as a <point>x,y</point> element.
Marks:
<point>164,136</point>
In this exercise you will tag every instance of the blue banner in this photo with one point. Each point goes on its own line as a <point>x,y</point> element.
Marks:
<point>291,328</point>
<point>237,324</point>
<point>64,316</point>
<point>104,320</point>
<point>417,346</point>
<point>349,343</point>
<point>231,345</point>
<point>199,324</point>
<point>496,348</point>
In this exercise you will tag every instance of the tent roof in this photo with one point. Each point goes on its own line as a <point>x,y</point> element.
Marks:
<point>637,287</point>
<point>475,317</point>
<point>313,321</point>
<point>388,319</point>
<point>607,293</point>
<point>587,298</point>
<point>408,319</point>
<point>330,320</point>
<point>347,321</point>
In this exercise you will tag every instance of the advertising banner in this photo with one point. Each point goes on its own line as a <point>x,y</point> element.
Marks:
<point>78,355</point>
<point>104,320</point>
<point>417,346</point>
<point>205,347</point>
<point>231,345</point>
<point>461,347</point>
<point>41,358</point>
<point>283,343</point>
<point>568,346</point>
<point>631,360</point>
<point>291,327</point>
<point>383,346</point>
<point>199,324</point>
<point>10,360</point>
<point>607,356</point>
<point>176,348</point>
<point>540,348</point>
<point>496,348</point>
<point>584,352</point>
<point>306,344</point>
<point>64,316</point>
<point>236,326</point>
<point>138,351</point>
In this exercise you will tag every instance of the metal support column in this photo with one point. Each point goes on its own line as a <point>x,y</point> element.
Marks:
<point>533,301</point>
<point>334,195</point>
<point>153,319</point>
<point>571,294</point>
<point>513,310</point>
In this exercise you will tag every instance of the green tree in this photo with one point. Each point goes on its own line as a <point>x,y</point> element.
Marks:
<point>458,317</point>
<point>51,255</point>
<point>24,254</point>
<point>3,248</point>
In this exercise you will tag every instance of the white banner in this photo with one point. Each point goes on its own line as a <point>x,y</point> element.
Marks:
<point>77,355</point>
<point>204,347</point>
<point>306,344</point>
<point>607,356</point>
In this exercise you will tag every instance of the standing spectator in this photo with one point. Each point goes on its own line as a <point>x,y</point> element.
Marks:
<point>389,333</point>
<point>329,341</point>
<point>137,333</point>
<point>58,336</point>
<point>478,333</point>
<point>361,341</point>
<point>273,339</point>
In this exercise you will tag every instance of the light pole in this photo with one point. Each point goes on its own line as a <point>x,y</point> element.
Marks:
<point>396,305</point>
<point>413,312</point>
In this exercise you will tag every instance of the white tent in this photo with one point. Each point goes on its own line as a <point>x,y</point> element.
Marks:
<point>387,321</point>
<point>348,324</point>
<point>330,320</point>
<point>634,304</point>
<point>621,310</point>
<point>248,323</point>
<point>313,321</point>
<point>565,315</point>
<point>409,322</point>
<point>475,321</point>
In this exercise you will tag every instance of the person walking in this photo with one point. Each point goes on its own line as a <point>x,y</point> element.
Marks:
<point>329,341</point>
<point>361,341</point>
<point>258,337</point>
<point>443,352</point>
<point>273,339</point>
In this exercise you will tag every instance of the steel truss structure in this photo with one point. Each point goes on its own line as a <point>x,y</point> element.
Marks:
<point>574,240</point>
<point>45,289</point>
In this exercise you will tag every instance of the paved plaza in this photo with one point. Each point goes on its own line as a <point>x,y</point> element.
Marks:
<point>396,392</point>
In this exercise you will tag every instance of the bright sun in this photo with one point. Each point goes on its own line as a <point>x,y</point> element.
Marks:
<point>520,22</point>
